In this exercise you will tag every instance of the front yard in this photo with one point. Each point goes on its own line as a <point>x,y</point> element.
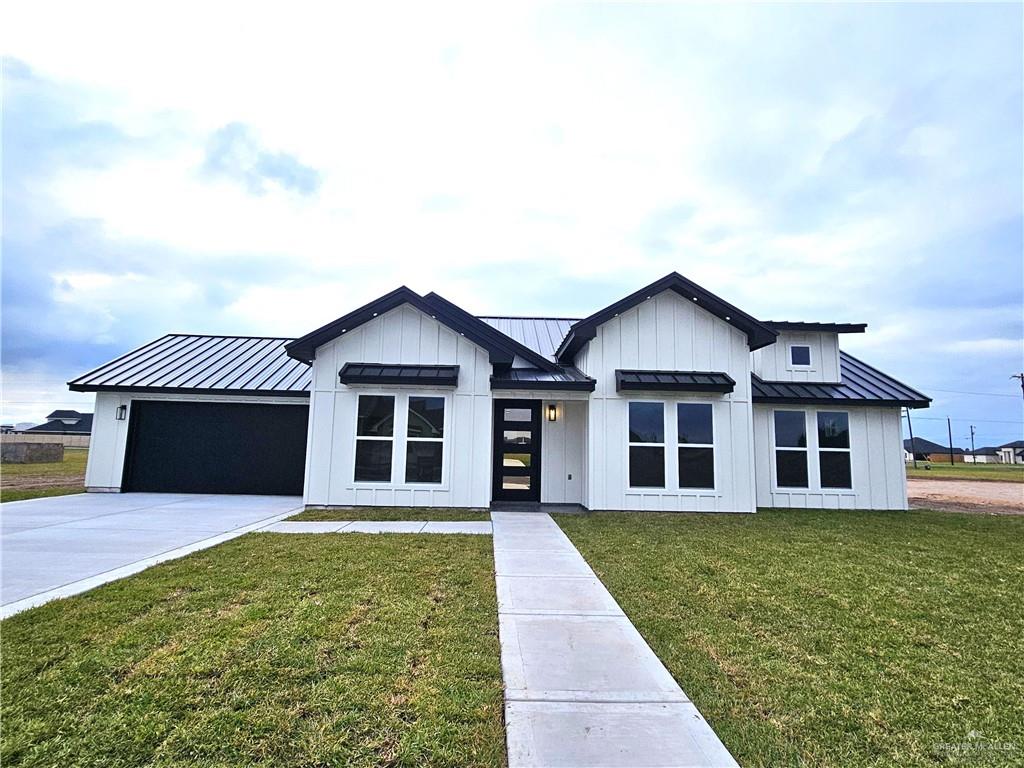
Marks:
<point>1011,473</point>
<point>34,481</point>
<point>831,639</point>
<point>276,650</point>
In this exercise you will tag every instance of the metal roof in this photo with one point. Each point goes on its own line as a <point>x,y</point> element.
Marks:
<point>567,378</point>
<point>673,381</point>
<point>793,325</point>
<point>860,384</point>
<point>186,363</point>
<point>376,373</point>
<point>57,427</point>
<point>541,334</point>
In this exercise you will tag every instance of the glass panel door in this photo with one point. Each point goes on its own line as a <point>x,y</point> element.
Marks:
<point>516,464</point>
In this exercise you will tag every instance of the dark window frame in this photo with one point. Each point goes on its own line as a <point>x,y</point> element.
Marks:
<point>645,446</point>
<point>695,448</point>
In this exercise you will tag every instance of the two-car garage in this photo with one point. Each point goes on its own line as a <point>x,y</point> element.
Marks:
<point>200,414</point>
<point>215,447</point>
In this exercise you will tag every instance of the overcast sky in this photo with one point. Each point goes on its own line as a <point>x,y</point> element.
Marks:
<point>214,168</point>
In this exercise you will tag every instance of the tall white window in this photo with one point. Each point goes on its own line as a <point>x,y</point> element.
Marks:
<point>790,449</point>
<point>646,445</point>
<point>696,432</point>
<point>834,449</point>
<point>424,447</point>
<point>375,438</point>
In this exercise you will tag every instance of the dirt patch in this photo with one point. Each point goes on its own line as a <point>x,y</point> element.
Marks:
<point>967,496</point>
<point>27,482</point>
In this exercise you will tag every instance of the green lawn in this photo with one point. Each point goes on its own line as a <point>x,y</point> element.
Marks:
<point>830,639</point>
<point>1013,473</point>
<point>33,481</point>
<point>391,513</point>
<point>271,650</point>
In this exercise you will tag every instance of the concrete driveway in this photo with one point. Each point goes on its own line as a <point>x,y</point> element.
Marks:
<point>60,546</point>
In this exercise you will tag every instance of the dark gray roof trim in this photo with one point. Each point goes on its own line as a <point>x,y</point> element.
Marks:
<point>758,334</point>
<point>501,349</point>
<point>860,384</point>
<point>787,325</point>
<point>673,381</point>
<point>566,378</point>
<point>375,373</point>
<point>192,364</point>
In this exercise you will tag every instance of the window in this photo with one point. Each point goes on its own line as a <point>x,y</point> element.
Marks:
<point>375,429</point>
<point>790,449</point>
<point>800,354</point>
<point>647,445</point>
<point>696,445</point>
<point>834,449</point>
<point>424,447</point>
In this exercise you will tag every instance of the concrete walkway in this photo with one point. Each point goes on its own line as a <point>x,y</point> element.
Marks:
<point>481,527</point>
<point>582,687</point>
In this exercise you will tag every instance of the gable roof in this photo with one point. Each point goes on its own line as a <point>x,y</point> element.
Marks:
<point>501,349</point>
<point>189,363</point>
<point>758,334</point>
<point>1014,444</point>
<point>859,384</point>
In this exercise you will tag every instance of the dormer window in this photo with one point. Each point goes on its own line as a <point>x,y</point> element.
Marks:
<point>800,355</point>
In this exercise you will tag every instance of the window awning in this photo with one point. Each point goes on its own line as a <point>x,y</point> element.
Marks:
<point>413,375</point>
<point>673,381</point>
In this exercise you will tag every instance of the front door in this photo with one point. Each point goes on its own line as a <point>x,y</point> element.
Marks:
<point>516,468</point>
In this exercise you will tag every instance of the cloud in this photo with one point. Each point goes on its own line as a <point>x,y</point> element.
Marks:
<point>233,152</point>
<point>814,162</point>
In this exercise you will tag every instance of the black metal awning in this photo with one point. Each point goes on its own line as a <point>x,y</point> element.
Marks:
<point>414,375</point>
<point>673,381</point>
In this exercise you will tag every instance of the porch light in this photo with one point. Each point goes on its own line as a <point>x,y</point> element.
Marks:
<point>552,412</point>
<point>122,412</point>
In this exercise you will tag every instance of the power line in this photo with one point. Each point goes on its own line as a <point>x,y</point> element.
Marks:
<point>968,419</point>
<point>962,392</point>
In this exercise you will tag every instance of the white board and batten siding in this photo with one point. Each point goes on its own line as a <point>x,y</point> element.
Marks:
<point>403,335</point>
<point>773,363</point>
<point>668,332</point>
<point>109,441</point>
<point>879,475</point>
<point>563,450</point>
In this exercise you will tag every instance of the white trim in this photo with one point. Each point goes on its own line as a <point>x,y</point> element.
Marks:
<point>711,445</point>
<point>791,366</point>
<point>776,447</point>
<point>664,457</point>
<point>848,450</point>
<point>399,439</point>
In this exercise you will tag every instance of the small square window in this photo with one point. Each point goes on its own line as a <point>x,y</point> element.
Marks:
<point>800,354</point>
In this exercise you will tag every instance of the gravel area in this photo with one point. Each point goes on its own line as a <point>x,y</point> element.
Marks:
<point>967,496</point>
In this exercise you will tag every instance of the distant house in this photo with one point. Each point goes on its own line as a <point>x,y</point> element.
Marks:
<point>63,423</point>
<point>1012,453</point>
<point>988,455</point>
<point>925,450</point>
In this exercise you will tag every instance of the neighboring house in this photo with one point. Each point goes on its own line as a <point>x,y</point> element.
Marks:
<point>70,428</point>
<point>669,399</point>
<point>920,449</point>
<point>63,423</point>
<point>988,455</point>
<point>1012,453</point>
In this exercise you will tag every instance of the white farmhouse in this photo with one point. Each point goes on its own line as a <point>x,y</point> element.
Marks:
<point>669,399</point>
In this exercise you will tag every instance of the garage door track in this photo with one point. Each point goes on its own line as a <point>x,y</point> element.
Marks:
<point>62,545</point>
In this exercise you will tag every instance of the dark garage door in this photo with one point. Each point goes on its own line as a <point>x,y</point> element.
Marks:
<point>179,447</point>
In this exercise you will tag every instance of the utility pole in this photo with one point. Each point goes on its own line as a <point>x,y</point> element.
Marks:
<point>974,456</point>
<point>949,428</point>
<point>1021,377</point>
<point>913,447</point>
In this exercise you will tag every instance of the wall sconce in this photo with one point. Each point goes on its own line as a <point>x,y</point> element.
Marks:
<point>122,412</point>
<point>552,412</point>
